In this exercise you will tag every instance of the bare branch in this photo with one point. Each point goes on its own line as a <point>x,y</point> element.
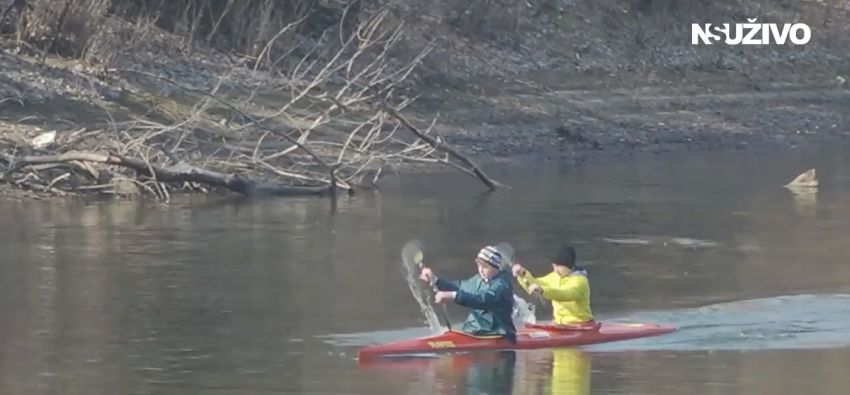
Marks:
<point>491,184</point>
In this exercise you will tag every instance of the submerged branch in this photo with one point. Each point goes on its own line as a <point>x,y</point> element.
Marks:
<point>178,173</point>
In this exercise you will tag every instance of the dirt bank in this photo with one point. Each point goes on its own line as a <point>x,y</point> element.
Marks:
<point>563,80</point>
<point>581,124</point>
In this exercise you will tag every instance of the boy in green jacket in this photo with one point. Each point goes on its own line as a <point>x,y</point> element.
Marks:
<point>489,294</point>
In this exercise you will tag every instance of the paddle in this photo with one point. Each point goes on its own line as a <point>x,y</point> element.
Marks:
<point>507,252</point>
<point>413,255</point>
<point>508,256</point>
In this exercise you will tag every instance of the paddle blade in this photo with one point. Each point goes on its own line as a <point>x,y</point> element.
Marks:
<point>507,252</point>
<point>413,253</point>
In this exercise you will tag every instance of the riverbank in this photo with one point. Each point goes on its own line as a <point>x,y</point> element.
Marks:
<point>143,94</point>
<point>581,124</point>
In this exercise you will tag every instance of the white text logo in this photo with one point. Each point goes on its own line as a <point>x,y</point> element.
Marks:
<point>751,33</point>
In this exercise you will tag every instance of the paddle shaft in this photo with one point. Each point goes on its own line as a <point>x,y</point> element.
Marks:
<point>419,259</point>
<point>445,309</point>
<point>508,256</point>
<point>538,296</point>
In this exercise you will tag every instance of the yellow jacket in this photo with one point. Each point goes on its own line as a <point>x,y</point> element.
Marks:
<point>570,295</point>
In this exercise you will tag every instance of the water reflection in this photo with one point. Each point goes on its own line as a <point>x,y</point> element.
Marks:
<point>805,200</point>
<point>489,377</point>
<point>570,372</point>
<point>471,373</point>
<point>564,371</point>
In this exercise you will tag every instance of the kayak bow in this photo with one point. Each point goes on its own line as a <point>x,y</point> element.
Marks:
<point>529,337</point>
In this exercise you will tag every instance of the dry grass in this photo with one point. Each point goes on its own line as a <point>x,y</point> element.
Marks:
<point>68,28</point>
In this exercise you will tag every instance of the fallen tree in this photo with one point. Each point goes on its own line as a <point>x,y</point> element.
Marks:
<point>324,124</point>
<point>180,172</point>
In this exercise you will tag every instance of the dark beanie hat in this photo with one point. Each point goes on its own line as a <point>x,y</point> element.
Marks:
<point>566,256</point>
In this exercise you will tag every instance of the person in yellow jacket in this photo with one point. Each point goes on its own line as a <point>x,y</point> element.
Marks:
<point>566,286</point>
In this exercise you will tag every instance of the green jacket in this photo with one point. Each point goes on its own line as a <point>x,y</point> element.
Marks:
<point>491,301</point>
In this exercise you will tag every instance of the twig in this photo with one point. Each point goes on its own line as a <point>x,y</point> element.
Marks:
<point>57,179</point>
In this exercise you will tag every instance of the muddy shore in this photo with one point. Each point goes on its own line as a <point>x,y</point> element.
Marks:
<point>595,107</point>
<point>579,125</point>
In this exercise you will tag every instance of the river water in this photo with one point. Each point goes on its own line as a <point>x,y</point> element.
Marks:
<point>229,296</point>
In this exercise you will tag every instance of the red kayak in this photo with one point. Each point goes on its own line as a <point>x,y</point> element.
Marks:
<point>530,337</point>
